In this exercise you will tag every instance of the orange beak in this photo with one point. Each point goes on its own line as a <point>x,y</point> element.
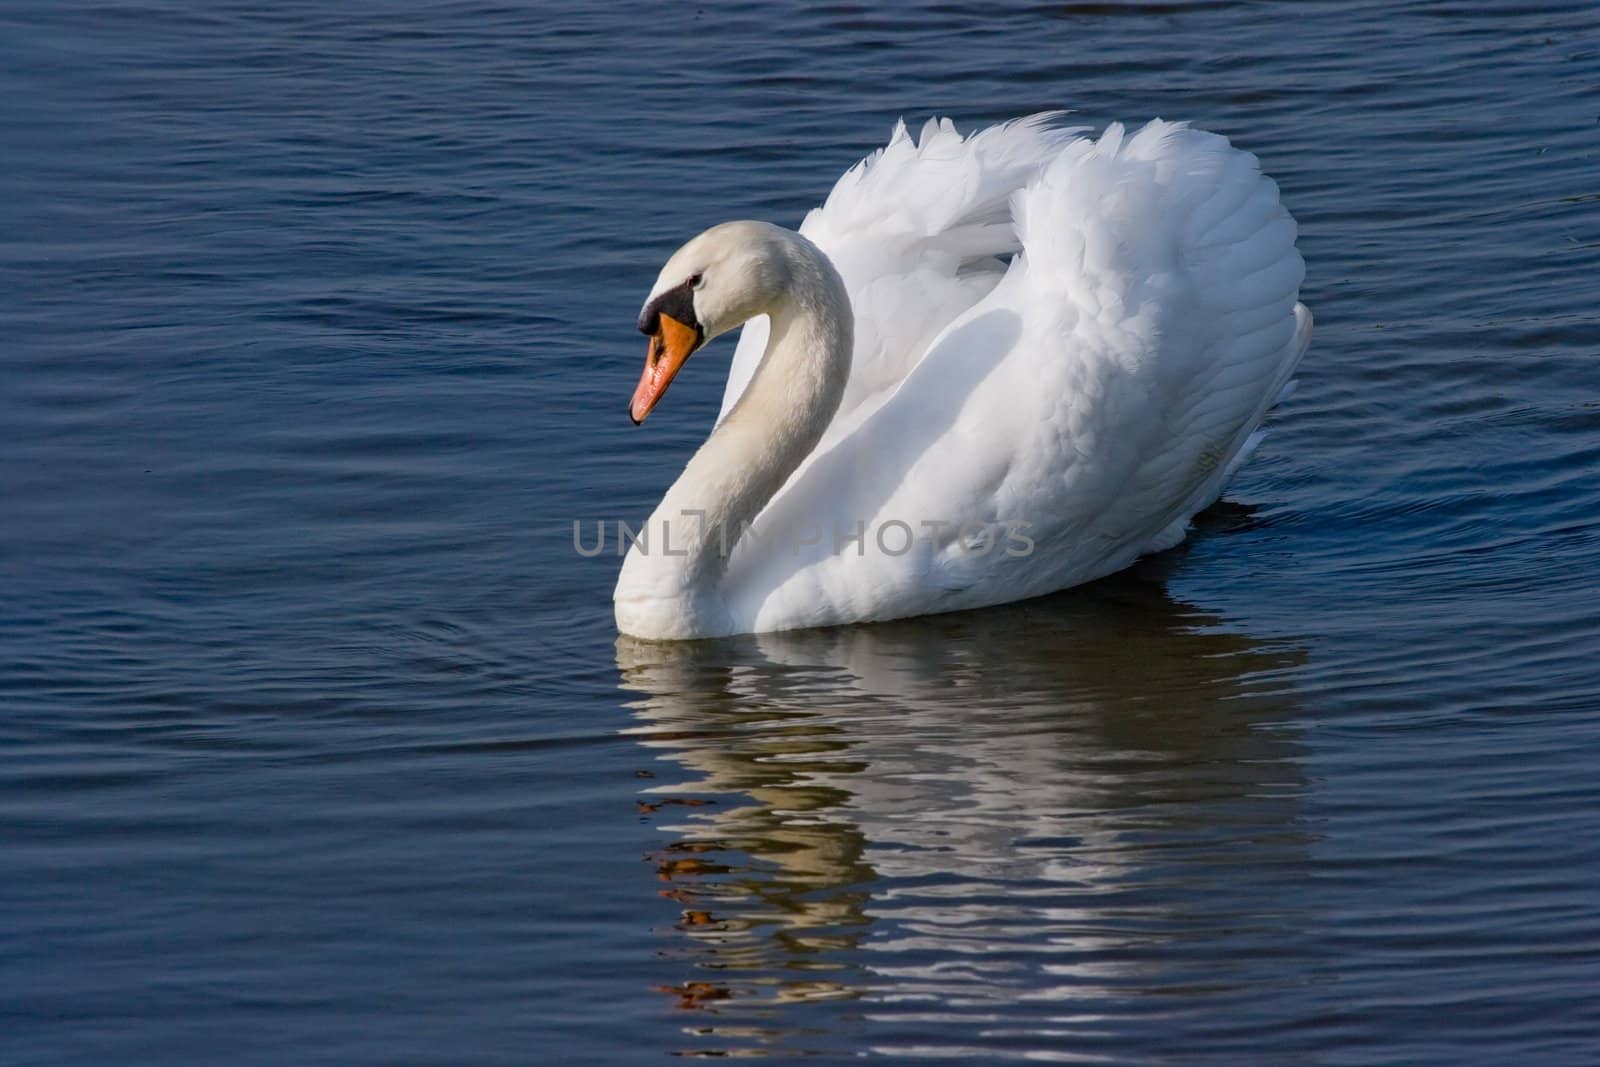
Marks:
<point>670,346</point>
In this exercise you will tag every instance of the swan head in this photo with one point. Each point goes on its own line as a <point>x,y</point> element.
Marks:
<point>729,274</point>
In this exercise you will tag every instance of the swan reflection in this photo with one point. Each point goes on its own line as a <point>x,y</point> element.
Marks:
<point>988,812</point>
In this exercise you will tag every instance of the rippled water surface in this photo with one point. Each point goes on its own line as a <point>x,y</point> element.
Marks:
<point>317,744</point>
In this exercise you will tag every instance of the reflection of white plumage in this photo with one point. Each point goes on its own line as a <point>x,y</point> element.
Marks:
<point>902,377</point>
<point>978,813</point>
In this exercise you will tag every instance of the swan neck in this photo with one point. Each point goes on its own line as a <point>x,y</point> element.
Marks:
<point>775,425</point>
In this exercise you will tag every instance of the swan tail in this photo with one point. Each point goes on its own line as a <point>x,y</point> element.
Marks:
<point>1292,353</point>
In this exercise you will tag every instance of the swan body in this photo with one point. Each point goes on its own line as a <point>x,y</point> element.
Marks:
<point>987,368</point>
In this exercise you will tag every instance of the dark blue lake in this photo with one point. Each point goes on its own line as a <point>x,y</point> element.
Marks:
<point>317,742</point>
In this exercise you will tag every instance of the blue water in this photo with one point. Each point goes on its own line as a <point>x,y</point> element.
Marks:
<point>317,744</point>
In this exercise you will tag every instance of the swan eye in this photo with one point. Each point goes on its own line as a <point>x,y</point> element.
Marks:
<point>696,280</point>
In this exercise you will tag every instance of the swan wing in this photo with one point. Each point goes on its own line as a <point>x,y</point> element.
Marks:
<point>1074,417</point>
<point>1160,300</point>
<point>920,231</point>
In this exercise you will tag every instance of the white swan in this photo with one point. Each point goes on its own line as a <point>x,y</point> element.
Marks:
<point>1060,350</point>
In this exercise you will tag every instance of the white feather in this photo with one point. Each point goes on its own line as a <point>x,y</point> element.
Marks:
<point>1095,392</point>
